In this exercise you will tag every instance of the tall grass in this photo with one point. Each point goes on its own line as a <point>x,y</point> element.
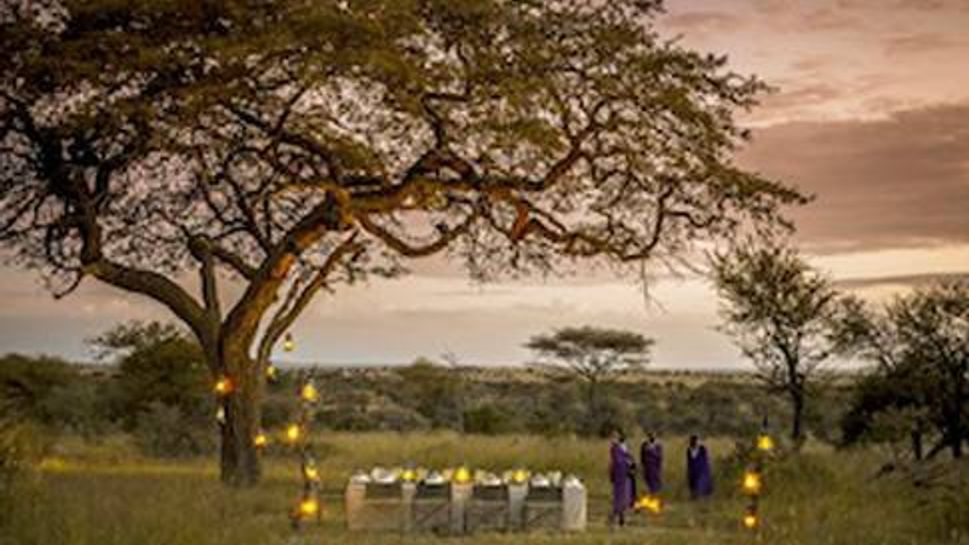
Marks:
<point>108,495</point>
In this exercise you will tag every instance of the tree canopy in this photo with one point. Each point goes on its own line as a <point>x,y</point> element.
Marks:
<point>919,344</point>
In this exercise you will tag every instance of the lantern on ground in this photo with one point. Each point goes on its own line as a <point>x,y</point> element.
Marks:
<point>462,475</point>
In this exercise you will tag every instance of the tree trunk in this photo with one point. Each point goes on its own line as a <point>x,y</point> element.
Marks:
<point>917,444</point>
<point>797,402</point>
<point>239,462</point>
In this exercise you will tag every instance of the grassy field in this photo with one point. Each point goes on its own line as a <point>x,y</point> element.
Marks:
<point>106,494</point>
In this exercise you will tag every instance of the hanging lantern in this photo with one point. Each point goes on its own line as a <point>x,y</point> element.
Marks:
<point>765,443</point>
<point>288,343</point>
<point>408,475</point>
<point>220,415</point>
<point>308,393</point>
<point>752,483</point>
<point>293,433</point>
<point>260,440</point>
<point>750,520</point>
<point>223,386</point>
<point>520,476</point>
<point>272,373</point>
<point>311,472</point>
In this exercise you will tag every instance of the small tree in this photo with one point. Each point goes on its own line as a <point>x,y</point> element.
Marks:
<point>593,355</point>
<point>920,346</point>
<point>779,312</point>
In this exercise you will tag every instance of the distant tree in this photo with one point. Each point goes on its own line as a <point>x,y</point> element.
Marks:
<point>919,344</point>
<point>780,312</point>
<point>289,147</point>
<point>158,364</point>
<point>593,355</point>
<point>434,391</point>
<point>28,382</point>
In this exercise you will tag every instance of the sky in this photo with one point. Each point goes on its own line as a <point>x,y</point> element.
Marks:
<point>870,113</point>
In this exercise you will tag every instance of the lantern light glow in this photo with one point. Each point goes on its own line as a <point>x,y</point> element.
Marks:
<point>309,507</point>
<point>309,393</point>
<point>765,443</point>
<point>223,386</point>
<point>462,475</point>
<point>293,433</point>
<point>752,483</point>
<point>652,504</point>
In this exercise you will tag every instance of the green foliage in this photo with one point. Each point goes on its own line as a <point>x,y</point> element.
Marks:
<point>781,313</point>
<point>434,391</point>
<point>919,386</point>
<point>489,420</point>
<point>156,364</point>
<point>165,431</point>
<point>27,381</point>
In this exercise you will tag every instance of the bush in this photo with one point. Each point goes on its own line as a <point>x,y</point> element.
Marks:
<point>163,430</point>
<point>488,420</point>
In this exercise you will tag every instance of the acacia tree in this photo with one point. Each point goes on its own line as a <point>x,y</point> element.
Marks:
<point>593,355</point>
<point>286,147</point>
<point>780,313</point>
<point>919,344</point>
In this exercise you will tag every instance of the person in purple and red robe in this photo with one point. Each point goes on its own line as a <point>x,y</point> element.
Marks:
<point>698,471</point>
<point>620,471</point>
<point>651,456</point>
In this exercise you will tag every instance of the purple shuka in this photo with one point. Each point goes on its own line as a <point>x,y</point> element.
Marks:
<point>651,455</point>
<point>619,470</point>
<point>698,472</point>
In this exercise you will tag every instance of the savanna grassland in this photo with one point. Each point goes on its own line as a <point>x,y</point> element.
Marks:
<point>107,493</point>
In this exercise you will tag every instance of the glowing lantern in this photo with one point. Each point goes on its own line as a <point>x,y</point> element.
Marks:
<point>462,475</point>
<point>309,507</point>
<point>223,386</point>
<point>751,521</point>
<point>765,443</point>
<point>408,475</point>
<point>308,393</point>
<point>272,373</point>
<point>752,483</point>
<point>288,343</point>
<point>312,474</point>
<point>293,433</point>
<point>260,440</point>
<point>519,476</point>
<point>651,504</point>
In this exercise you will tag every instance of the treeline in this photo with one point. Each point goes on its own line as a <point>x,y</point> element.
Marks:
<point>155,387</point>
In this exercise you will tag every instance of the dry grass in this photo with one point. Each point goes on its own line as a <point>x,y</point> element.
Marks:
<point>107,495</point>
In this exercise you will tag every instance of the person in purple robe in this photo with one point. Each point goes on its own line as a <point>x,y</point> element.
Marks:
<point>651,456</point>
<point>698,472</point>
<point>620,470</point>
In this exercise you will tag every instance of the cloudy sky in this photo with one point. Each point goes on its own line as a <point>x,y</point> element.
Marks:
<point>870,114</point>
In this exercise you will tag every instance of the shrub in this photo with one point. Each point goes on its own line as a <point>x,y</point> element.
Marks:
<point>488,420</point>
<point>165,431</point>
